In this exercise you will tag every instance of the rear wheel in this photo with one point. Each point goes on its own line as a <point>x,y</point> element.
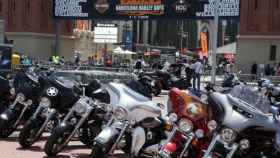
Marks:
<point>56,142</point>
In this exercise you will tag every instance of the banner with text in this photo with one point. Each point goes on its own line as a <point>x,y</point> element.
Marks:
<point>143,9</point>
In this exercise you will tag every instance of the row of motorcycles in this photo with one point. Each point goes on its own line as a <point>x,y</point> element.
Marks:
<point>242,122</point>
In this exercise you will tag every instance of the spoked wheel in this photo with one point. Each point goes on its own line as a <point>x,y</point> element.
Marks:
<point>57,141</point>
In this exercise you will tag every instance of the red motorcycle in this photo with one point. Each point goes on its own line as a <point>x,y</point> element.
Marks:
<point>192,129</point>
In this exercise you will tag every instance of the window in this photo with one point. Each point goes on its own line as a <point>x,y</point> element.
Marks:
<point>273,49</point>
<point>256,4</point>
<point>0,6</point>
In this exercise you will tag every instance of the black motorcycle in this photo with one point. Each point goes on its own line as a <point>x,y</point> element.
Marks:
<point>271,91</point>
<point>27,89</point>
<point>163,80</point>
<point>230,80</point>
<point>52,108</point>
<point>7,93</point>
<point>86,118</point>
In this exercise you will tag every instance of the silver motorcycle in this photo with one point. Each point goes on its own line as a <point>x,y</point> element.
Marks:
<point>245,127</point>
<point>136,124</point>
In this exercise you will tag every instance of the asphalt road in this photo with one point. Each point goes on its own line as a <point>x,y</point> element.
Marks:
<point>9,148</point>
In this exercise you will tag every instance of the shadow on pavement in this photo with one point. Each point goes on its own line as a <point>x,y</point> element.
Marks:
<point>33,148</point>
<point>10,139</point>
<point>78,155</point>
<point>69,148</point>
<point>58,156</point>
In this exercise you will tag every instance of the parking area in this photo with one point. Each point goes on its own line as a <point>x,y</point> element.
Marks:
<point>9,148</point>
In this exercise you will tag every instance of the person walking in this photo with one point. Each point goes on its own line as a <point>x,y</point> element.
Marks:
<point>198,70</point>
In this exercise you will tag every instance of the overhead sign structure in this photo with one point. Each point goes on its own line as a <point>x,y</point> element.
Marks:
<point>106,33</point>
<point>143,9</point>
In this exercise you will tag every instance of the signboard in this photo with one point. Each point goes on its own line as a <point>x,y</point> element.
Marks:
<point>127,39</point>
<point>204,43</point>
<point>106,33</point>
<point>143,9</point>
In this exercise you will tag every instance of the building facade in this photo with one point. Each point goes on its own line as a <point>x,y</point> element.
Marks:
<point>29,26</point>
<point>259,39</point>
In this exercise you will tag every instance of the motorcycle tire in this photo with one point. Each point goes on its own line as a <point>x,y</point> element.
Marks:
<point>97,151</point>
<point>88,133</point>
<point>5,129</point>
<point>59,135</point>
<point>28,133</point>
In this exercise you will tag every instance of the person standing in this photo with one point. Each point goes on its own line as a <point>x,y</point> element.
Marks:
<point>139,64</point>
<point>278,69</point>
<point>189,72</point>
<point>198,70</point>
<point>254,70</point>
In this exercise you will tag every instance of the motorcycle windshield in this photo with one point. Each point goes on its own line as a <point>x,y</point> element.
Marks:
<point>64,82</point>
<point>251,96</point>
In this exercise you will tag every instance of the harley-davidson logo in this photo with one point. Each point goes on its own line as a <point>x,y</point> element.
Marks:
<point>102,6</point>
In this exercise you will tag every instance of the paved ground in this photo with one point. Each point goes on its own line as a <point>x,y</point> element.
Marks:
<point>9,148</point>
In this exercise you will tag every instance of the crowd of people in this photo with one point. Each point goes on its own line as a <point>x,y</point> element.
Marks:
<point>192,70</point>
<point>267,70</point>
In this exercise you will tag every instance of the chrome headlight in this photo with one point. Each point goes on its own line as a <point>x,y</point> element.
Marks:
<point>120,113</point>
<point>80,108</point>
<point>244,144</point>
<point>212,125</point>
<point>21,97</point>
<point>173,117</point>
<point>12,91</point>
<point>228,135</point>
<point>46,102</point>
<point>185,125</point>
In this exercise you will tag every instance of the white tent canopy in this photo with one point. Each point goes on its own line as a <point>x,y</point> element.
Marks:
<point>227,49</point>
<point>118,50</point>
<point>127,52</point>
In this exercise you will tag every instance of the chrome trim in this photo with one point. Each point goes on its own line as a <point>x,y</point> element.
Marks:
<point>218,139</point>
<point>187,144</point>
<point>51,112</point>
<point>26,105</point>
<point>119,138</point>
<point>78,125</point>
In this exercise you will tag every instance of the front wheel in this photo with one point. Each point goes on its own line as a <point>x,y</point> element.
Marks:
<point>27,136</point>
<point>97,151</point>
<point>88,133</point>
<point>57,141</point>
<point>6,129</point>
